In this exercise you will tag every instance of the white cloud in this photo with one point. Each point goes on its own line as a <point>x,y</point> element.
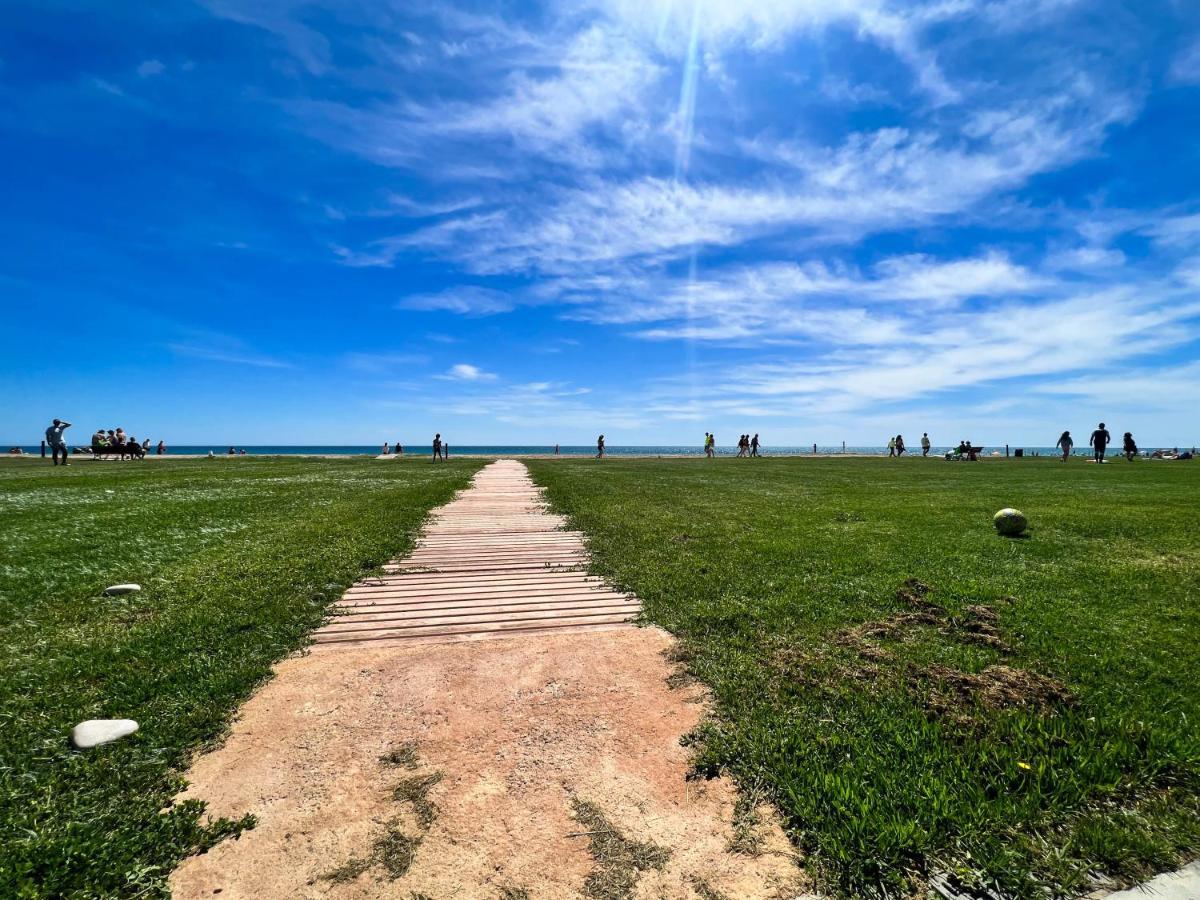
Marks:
<point>1185,69</point>
<point>150,68</point>
<point>874,181</point>
<point>227,350</point>
<point>465,300</point>
<point>467,372</point>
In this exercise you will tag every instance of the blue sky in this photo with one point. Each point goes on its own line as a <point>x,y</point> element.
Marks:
<point>822,220</point>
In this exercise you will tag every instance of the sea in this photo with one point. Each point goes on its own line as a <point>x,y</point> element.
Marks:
<point>548,450</point>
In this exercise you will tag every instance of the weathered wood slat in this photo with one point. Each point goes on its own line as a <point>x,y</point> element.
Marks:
<point>492,562</point>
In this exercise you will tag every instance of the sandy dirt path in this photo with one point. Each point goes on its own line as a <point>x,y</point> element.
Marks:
<point>532,765</point>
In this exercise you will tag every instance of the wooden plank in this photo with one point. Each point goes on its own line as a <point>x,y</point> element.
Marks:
<point>492,562</point>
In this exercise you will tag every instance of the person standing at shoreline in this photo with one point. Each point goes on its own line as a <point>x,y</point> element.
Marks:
<point>437,447</point>
<point>600,447</point>
<point>1099,440</point>
<point>1066,442</point>
<point>925,444</point>
<point>54,437</point>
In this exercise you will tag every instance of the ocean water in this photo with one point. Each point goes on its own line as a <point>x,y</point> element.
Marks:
<point>534,449</point>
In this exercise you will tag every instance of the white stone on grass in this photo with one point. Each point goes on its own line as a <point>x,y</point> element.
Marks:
<point>122,589</point>
<point>95,732</point>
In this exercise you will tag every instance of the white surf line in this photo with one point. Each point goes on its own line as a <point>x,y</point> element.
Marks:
<point>492,562</point>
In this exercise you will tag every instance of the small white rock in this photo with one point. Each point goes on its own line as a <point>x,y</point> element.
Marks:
<point>95,732</point>
<point>117,589</point>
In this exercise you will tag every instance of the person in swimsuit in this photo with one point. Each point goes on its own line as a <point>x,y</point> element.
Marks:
<point>1099,441</point>
<point>600,447</point>
<point>1066,442</point>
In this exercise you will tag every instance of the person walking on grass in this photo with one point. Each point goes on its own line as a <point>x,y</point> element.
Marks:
<point>1100,440</point>
<point>899,445</point>
<point>891,446</point>
<point>754,445</point>
<point>600,447</point>
<point>1130,449</point>
<point>925,444</point>
<point>437,447</point>
<point>743,445</point>
<point>54,437</point>
<point>1065,443</point>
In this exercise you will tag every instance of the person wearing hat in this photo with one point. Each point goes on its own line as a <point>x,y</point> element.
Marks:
<point>54,437</point>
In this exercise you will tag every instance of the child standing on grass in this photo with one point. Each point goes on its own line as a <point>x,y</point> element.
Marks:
<point>1130,448</point>
<point>1066,442</point>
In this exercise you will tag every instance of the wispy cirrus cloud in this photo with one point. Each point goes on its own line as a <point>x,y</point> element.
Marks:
<point>228,350</point>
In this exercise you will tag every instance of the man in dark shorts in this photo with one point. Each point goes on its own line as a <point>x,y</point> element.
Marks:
<point>1099,441</point>
<point>437,447</point>
<point>58,444</point>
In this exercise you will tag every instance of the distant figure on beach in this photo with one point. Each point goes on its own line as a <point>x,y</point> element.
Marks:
<point>1099,441</point>
<point>437,447</point>
<point>54,437</point>
<point>707,444</point>
<point>1130,449</point>
<point>600,447</point>
<point>232,452</point>
<point>161,448</point>
<point>899,445</point>
<point>743,445</point>
<point>925,444</point>
<point>1065,443</point>
<point>556,449</point>
<point>754,445</point>
<point>891,446</point>
<point>386,448</point>
<point>399,449</point>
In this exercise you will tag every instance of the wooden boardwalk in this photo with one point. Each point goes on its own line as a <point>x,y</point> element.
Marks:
<point>492,562</point>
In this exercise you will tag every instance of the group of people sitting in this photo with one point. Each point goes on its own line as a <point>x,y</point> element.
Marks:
<point>1173,454</point>
<point>117,443</point>
<point>965,450</point>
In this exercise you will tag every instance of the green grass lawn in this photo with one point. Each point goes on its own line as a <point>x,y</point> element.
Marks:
<point>1023,715</point>
<point>237,559</point>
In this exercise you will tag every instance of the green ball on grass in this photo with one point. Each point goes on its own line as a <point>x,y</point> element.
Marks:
<point>1010,521</point>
